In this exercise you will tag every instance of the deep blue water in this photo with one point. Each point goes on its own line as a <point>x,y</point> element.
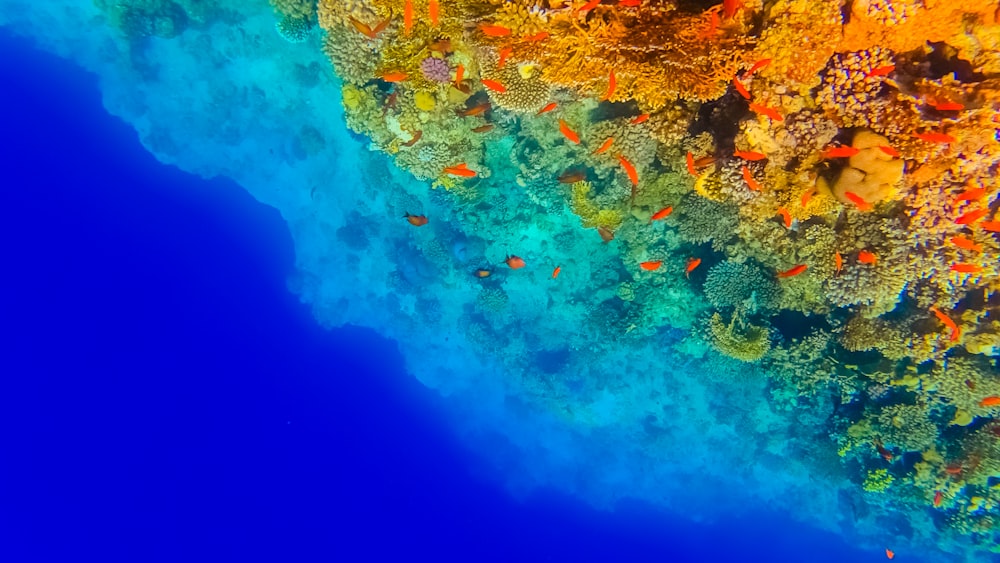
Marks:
<point>164,398</point>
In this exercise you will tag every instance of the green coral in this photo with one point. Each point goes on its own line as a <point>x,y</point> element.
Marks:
<point>906,427</point>
<point>738,339</point>
<point>592,215</point>
<point>294,29</point>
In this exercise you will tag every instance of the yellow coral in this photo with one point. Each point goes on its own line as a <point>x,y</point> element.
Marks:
<point>737,339</point>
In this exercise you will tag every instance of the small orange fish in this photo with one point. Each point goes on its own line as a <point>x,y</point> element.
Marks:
<point>416,220</point>
<point>938,496</point>
<point>889,554</point>
<point>651,265</point>
<point>689,158</point>
<point>882,451</point>
<point>729,8</point>
<point>393,76</point>
<point>588,6</point>
<point>965,268</point>
<point>482,273</point>
<point>807,195</point>
<point>766,111</point>
<point>955,331</point>
<point>505,52</point>
<point>839,152</point>
<point>748,177</point>
<point>442,45</point>
<point>515,262</point>
<point>434,12</point>
<point>640,119</point>
<point>786,217</point>
<point>947,106</point>
<point>750,155</point>
<point>794,271</point>
<point>991,401</point>
<point>612,83</point>
<point>407,17</point>
<point>605,145</point>
<point>363,28</point>
<point>540,36</point>
<point>935,137</point>
<point>572,177</point>
<point>494,30</point>
<point>971,194</point>
<point>460,170</point>
<point>568,133</point>
<point>629,170</point>
<point>483,128</point>
<point>889,151</point>
<point>692,263</point>
<point>548,107</point>
<point>630,3</point>
<point>555,273</point>
<point>858,201</point>
<point>459,73</point>
<point>757,66</point>
<point>991,226</point>
<point>883,70</point>
<point>494,85</point>
<point>866,257</point>
<point>704,161</point>
<point>413,140</point>
<point>662,214</point>
<point>838,262</point>
<point>966,244</point>
<point>741,88</point>
<point>475,110</point>
<point>972,216</point>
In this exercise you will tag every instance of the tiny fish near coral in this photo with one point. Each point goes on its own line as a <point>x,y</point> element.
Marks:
<point>604,146</point>
<point>662,214</point>
<point>692,263</point>
<point>651,265</point>
<point>991,401</point>
<point>794,271</point>
<point>935,137</point>
<point>786,217</point>
<point>515,262</point>
<point>866,257</point>
<point>750,155</point>
<point>568,133</point>
<point>965,268</point>
<point>955,331</point>
<point>629,170</point>
<point>839,152</point>
<point>416,220</point>
<point>751,182</point>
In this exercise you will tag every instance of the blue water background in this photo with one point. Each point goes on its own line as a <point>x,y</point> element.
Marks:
<point>166,398</point>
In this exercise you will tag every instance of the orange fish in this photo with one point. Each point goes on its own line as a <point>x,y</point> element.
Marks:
<point>713,24</point>
<point>494,85</point>
<point>838,262</point>
<point>605,145</point>
<point>748,177</point>
<point>766,111</point>
<point>741,88</point>
<point>540,36</point>
<point>750,155</point>
<point>883,70</point>
<point>889,553</point>
<point>555,273</point>
<point>434,12</point>
<point>363,28</point>
<point>442,45</point>
<point>729,8</point>
<point>630,3</point>
<point>568,133</point>
<point>691,265</point>
<point>972,216</point>
<point>991,226</point>
<point>494,30</point>
<point>662,214</point>
<point>858,201</point>
<point>629,170</point>
<point>866,257</point>
<point>935,137</point>
<point>971,194</point>
<point>690,164</point>
<point>794,271</point>
<point>965,268</point>
<point>889,151</point>
<point>572,177</point>
<point>882,451</point>
<point>459,73</point>
<point>947,106</point>
<point>807,195</point>
<point>393,76</point>
<point>966,244</point>
<point>416,220</point>
<point>407,17</point>
<point>505,52</point>
<point>482,273</point>
<point>514,262</point>
<point>651,265</point>
<point>955,331</point>
<point>414,139</point>
<point>757,66</point>
<point>460,170</point>
<point>786,217</point>
<point>588,6</point>
<point>991,401</point>
<point>640,119</point>
<point>938,496</point>
<point>478,109</point>
<point>483,128</point>
<point>839,152</point>
<point>704,161</point>
<point>548,107</point>
<point>612,83</point>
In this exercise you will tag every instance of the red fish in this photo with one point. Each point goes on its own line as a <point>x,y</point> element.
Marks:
<point>729,8</point>
<point>477,109</point>
<point>866,257</point>
<point>749,179</point>
<point>515,262</point>
<point>483,128</point>
<point>640,119</point>
<point>370,32</point>
<point>629,170</point>
<point>883,70</point>
<point>971,194</point>
<point>568,133</point>
<point>692,263</point>
<point>662,214</point>
<point>839,152</point>
<point>605,145</point>
<point>494,30</point>
<point>991,401</point>
<point>766,111</point>
<point>505,52</point>
<point>757,66</point>
<point>883,451</point>
<point>741,88</point>
<point>935,137</point>
<point>991,226</point>
<point>494,85</point>
<point>947,106</point>
<point>434,12</point>
<point>689,158</point>
<point>966,244</point>
<point>612,84</point>
<point>889,554</point>
<point>393,77</point>
<point>629,3</point>
<point>414,139</point>
<point>572,177</point>
<point>938,496</point>
<point>460,170</point>
<point>786,217</point>
<point>555,273</point>
<point>794,271</point>
<point>889,151</point>
<point>548,107</point>
<point>858,201</point>
<point>588,6</point>
<point>416,220</point>
<point>972,216</point>
<point>838,262</point>
<point>652,265</point>
<point>407,17</point>
<point>965,268</point>
<point>540,36</point>
<point>807,195</point>
<point>955,331</point>
<point>459,73</point>
<point>750,155</point>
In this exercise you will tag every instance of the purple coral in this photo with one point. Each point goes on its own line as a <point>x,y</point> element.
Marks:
<point>435,69</point>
